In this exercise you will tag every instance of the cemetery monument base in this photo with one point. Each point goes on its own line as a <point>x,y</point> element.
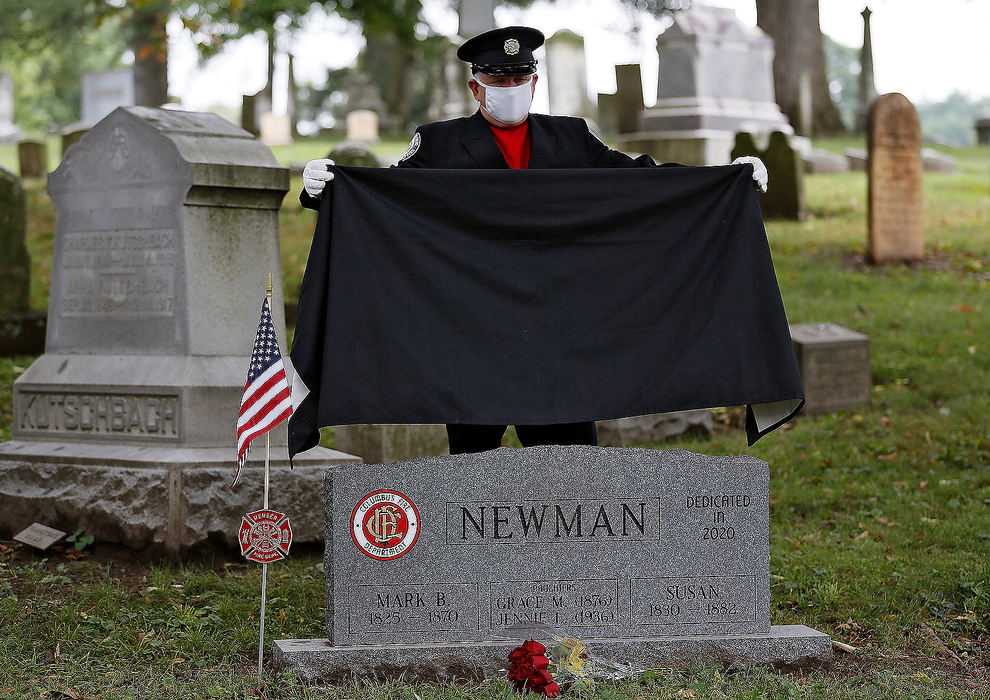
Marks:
<point>157,498</point>
<point>654,558</point>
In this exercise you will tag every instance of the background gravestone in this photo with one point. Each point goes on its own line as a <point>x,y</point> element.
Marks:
<point>33,158</point>
<point>784,198</point>
<point>362,125</point>
<point>8,130</point>
<point>835,366</point>
<point>104,92</point>
<point>566,75</point>
<point>715,79</point>
<point>438,566</point>
<point>896,206</point>
<point>982,126</point>
<point>166,226</point>
<point>15,263</point>
<point>354,153</point>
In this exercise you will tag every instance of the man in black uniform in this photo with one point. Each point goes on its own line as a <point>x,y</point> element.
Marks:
<point>503,134</point>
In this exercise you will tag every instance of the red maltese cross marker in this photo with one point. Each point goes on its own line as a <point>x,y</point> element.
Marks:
<point>265,536</point>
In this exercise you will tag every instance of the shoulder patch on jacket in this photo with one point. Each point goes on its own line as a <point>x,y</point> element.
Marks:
<point>414,145</point>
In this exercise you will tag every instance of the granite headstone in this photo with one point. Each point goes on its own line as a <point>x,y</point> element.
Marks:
<point>439,566</point>
<point>166,227</point>
<point>835,366</point>
<point>896,205</point>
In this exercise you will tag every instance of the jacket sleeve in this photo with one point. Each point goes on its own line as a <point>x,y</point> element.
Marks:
<point>415,156</point>
<point>601,156</point>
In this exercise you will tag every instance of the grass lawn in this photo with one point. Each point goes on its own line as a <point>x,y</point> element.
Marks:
<point>880,516</point>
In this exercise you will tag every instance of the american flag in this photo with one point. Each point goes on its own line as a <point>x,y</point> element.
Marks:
<point>266,401</point>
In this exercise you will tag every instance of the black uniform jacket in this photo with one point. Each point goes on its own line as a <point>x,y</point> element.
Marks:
<point>467,142</point>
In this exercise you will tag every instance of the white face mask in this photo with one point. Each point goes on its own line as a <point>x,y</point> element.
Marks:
<point>508,105</point>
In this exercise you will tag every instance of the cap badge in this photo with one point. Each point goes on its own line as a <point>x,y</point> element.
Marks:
<point>511,47</point>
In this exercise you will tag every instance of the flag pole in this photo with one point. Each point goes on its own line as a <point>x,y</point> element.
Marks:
<point>264,566</point>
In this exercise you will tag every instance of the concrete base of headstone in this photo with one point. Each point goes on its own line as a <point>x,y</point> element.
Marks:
<point>698,147</point>
<point>654,427</point>
<point>316,660</point>
<point>376,443</point>
<point>158,498</point>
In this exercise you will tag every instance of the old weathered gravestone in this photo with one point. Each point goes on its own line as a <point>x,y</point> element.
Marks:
<point>15,263</point>
<point>785,197</point>
<point>835,366</point>
<point>354,153</point>
<point>166,227</point>
<point>896,207</point>
<point>651,558</point>
<point>33,158</point>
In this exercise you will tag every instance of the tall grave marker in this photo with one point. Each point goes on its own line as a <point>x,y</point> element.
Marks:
<point>896,210</point>
<point>166,226</point>
<point>651,558</point>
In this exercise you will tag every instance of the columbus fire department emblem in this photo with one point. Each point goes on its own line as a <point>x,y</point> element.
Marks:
<point>265,536</point>
<point>385,525</point>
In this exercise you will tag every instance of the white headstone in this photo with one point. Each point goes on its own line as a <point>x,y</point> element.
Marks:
<point>7,129</point>
<point>362,125</point>
<point>276,129</point>
<point>567,76</point>
<point>104,92</point>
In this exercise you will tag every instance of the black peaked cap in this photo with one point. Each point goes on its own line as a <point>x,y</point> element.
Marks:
<point>506,51</point>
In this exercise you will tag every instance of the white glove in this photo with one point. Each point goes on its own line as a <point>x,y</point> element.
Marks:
<point>316,175</point>
<point>760,176</point>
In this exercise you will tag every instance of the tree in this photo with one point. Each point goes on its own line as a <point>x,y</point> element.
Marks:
<point>799,56</point>
<point>47,46</point>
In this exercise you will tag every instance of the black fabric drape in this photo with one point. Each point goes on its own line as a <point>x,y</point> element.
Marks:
<point>538,296</point>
